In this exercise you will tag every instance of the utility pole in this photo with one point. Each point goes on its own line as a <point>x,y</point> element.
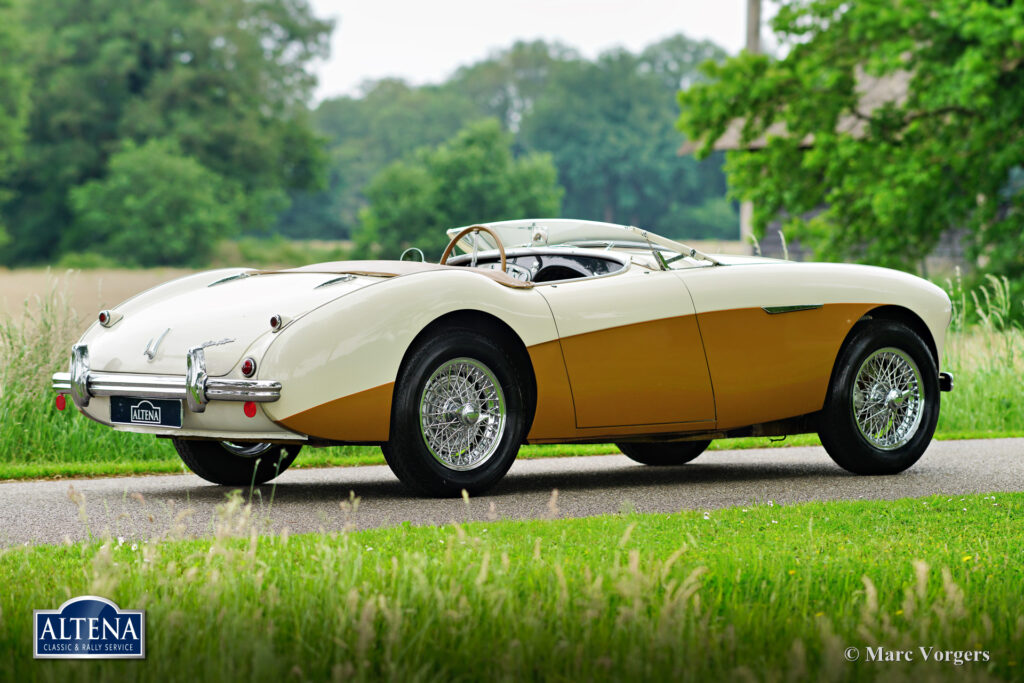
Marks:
<point>754,26</point>
<point>753,47</point>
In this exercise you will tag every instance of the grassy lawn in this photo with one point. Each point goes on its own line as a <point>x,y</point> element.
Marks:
<point>765,592</point>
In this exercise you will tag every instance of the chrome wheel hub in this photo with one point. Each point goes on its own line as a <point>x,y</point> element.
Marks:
<point>462,414</point>
<point>246,450</point>
<point>888,399</point>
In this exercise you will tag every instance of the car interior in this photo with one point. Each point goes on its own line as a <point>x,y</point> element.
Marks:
<point>545,265</point>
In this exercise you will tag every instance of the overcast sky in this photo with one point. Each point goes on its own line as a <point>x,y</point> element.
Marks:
<point>424,41</point>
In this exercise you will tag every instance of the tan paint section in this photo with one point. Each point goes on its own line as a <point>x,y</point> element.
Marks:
<point>555,417</point>
<point>646,373</point>
<point>769,367</point>
<point>763,367</point>
<point>363,416</point>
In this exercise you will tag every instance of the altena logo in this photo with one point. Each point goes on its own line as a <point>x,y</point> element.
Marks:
<point>89,627</point>
<point>144,411</point>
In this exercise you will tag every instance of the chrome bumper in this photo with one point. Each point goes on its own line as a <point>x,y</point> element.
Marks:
<point>945,381</point>
<point>195,388</point>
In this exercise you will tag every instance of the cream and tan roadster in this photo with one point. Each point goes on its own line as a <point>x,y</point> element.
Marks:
<point>541,331</point>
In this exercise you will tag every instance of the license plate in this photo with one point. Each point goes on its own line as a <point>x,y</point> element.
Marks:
<point>153,412</point>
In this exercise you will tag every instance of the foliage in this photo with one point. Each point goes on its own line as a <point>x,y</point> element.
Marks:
<point>473,177</point>
<point>893,174</point>
<point>154,207</point>
<point>760,592</point>
<point>276,252</point>
<point>606,123</point>
<point>225,79</point>
<point>609,127</point>
<point>388,122</point>
<point>13,99</point>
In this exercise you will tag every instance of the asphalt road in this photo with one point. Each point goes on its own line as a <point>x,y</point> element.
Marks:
<point>319,499</point>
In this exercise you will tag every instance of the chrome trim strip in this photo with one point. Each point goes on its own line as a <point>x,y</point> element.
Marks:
<point>775,310</point>
<point>344,278</point>
<point>195,379</point>
<point>78,379</point>
<point>229,278</point>
<point>154,344</point>
<point>171,386</point>
<point>256,390</point>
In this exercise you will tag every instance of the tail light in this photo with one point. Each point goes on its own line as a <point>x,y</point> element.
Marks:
<point>248,367</point>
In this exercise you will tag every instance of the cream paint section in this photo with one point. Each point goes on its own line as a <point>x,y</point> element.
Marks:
<point>221,420</point>
<point>632,350</point>
<point>190,312</point>
<point>357,342</point>
<point>635,295</point>
<point>717,288</point>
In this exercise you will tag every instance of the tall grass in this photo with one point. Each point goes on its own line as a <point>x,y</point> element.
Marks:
<point>985,352</point>
<point>761,593</point>
<point>32,348</point>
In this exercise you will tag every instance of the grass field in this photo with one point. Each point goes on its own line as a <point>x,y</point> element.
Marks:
<point>765,592</point>
<point>38,441</point>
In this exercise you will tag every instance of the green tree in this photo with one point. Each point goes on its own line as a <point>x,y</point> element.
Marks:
<point>472,178</point>
<point>936,149</point>
<point>155,207</point>
<point>13,99</point>
<point>364,134</point>
<point>600,123</point>
<point>609,125</point>
<point>506,85</point>
<point>226,79</point>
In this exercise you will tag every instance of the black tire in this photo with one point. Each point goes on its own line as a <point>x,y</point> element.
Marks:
<point>665,453</point>
<point>840,434</point>
<point>407,452</point>
<point>215,463</point>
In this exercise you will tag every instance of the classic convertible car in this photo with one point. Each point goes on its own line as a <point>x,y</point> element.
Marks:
<point>542,331</point>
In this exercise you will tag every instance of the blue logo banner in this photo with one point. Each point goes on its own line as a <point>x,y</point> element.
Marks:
<point>89,627</point>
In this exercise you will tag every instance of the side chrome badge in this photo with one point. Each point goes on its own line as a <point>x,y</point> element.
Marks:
<point>154,344</point>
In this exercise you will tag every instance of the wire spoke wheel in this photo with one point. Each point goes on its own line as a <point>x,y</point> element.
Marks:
<point>462,414</point>
<point>888,399</point>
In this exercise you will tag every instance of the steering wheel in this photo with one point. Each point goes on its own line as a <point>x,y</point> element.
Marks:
<point>466,231</point>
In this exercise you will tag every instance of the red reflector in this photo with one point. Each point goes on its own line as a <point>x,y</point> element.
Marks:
<point>103,318</point>
<point>248,367</point>
<point>62,402</point>
<point>249,409</point>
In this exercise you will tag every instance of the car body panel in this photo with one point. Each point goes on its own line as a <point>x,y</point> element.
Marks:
<point>769,366</point>
<point>610,328</point>
<point>712,343</point>
<point>324,366</point>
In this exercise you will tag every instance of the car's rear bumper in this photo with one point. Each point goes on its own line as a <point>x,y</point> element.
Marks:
<point>195,387</point>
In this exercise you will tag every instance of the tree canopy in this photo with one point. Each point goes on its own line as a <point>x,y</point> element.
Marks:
<point>474,174</point>
<point>13,99</point>
<point>155,207</point>
<point>886,177</point>
<point>607,124</point>
<point>227,80</point>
